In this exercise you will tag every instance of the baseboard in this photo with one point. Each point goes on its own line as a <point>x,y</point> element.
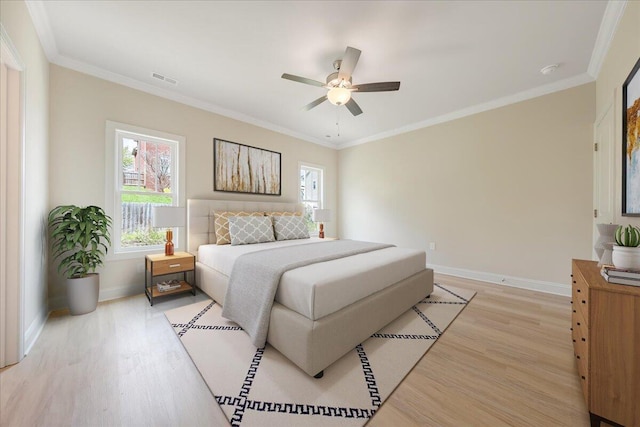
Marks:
<point>115,293</point>
<point>60,302</point>
<point>34,330</point>
<point>499,279</point>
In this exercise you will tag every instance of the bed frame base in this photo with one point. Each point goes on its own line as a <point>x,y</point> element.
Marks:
<point>313,345</point>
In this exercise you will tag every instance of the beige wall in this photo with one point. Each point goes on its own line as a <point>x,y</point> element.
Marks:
<point>620,59</point>
<point>505,192</point>
<point>80,106</point>
<point>17,23</point>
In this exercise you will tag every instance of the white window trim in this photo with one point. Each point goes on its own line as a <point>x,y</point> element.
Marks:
<point>112,149</point>
<point>321,184</point>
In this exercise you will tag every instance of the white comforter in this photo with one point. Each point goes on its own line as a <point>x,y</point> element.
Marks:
<point>320,289</point>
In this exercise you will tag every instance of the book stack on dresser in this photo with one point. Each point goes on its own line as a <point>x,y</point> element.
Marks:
<point>621,276</point>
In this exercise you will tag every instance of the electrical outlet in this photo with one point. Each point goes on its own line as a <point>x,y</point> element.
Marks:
<point>432,246</point>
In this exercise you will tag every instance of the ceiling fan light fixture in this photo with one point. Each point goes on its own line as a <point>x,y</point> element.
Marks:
<point>339,95</point>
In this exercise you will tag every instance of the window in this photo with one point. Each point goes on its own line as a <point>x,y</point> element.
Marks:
<point>145,170</point>
<point>311,192</point>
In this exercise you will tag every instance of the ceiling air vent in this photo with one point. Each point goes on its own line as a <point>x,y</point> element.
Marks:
<point>164,78</point>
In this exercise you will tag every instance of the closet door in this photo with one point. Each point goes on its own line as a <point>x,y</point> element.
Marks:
<point>603,171</point>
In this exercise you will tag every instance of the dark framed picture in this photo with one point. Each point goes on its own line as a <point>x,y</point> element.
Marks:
<point>631,143</point>
<point>240,168</point>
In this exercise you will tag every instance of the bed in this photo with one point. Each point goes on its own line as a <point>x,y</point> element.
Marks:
<point>309,318</point>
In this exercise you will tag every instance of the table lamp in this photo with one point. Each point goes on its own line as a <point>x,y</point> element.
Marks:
<point>166,217</point>
<point>321,215</point>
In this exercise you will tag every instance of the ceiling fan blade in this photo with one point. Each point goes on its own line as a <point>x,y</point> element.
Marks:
<point>314,103</point>
<point>302,80</point>
<point>353,107</point>
<point>377,87</point>
<point>349,62</point>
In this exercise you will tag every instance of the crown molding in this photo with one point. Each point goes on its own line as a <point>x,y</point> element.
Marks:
<point>8,53</point>
<point>491,105</point>
<point>608,26</point>
<point>42,25</point>
<point>98,72</point>
<point>43,28</point>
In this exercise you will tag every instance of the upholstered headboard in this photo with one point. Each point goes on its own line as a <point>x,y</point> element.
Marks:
<point>200,229</point>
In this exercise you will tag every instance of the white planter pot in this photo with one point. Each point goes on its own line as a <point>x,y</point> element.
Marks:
<point>82,294</point>
<point>624,257</point>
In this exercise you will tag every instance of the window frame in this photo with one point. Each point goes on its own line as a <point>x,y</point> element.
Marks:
<point>320,201</point>
<point>113,183</point>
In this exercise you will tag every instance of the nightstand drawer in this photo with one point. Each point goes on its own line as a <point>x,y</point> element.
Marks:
<point>173,266</point>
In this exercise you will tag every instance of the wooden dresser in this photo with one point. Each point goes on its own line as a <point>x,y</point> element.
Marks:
<point>605,325</point>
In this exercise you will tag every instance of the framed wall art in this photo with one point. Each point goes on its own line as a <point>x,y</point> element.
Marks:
<point>631,143</point>
<point>240,168</point>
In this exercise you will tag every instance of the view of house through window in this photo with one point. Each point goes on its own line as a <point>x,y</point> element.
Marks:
<point>311,193</point>
<point>145,180</point>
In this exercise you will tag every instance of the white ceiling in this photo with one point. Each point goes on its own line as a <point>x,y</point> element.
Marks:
<point>452,57</point>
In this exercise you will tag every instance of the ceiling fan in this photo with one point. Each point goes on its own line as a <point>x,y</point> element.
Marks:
<point>339,83</point>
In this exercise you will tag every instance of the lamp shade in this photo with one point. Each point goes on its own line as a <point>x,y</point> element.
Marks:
<point>321,215</point>
<point>168,216</point>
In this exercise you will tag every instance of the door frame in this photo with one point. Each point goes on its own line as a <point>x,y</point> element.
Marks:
<point>12,306</point>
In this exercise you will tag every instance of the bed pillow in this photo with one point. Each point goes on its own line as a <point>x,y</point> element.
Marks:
<point>245,230</point>
<point>283,213</point>
<point>221,224</point>
<point>290,227</point>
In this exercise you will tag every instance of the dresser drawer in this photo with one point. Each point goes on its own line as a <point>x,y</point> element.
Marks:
<point>580,294</point>
<point>173,266</point>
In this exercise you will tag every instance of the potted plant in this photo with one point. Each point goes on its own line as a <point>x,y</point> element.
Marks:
<point>78,236</point>
<point>626,253</point>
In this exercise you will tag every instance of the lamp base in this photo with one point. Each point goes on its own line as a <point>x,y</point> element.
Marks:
<point>321,233</point>
<point>168,247</point>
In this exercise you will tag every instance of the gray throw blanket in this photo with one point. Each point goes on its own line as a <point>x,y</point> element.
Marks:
<point>255,277</point>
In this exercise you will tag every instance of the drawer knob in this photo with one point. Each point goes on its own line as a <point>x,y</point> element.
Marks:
<point>577,290</point>
<point>577,356</point>
<point>584,339</point>
<point>571,329</point>
<point>574,340</point>
<point>583,377</point>
<point>584,302</point>
<point>578,323</point>
<point>574,311</point>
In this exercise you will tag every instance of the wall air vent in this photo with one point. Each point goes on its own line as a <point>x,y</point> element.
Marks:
<point>166,79</point>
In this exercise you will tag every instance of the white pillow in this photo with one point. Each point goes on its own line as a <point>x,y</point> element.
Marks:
<point>290,227</point>
<point>245,230</point>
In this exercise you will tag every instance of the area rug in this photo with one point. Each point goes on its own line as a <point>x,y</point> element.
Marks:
<point>260,387</point>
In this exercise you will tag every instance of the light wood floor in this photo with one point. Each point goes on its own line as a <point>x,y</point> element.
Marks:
<point>506,360</point>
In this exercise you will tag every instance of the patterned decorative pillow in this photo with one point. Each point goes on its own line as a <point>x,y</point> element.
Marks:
<point>283,213</point>
<point>290,227</point>
<point>245,230</point>
<point>221,223</point>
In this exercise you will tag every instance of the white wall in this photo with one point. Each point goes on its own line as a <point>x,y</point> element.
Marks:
<point>81,105</point>
<point>19,27</point>
<point>504,194</point>
<point>620,59</point>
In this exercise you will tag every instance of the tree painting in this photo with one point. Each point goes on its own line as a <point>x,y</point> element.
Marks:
<point>243,169</point>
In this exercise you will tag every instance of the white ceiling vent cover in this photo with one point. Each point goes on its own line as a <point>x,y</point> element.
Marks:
<point>164,78</point>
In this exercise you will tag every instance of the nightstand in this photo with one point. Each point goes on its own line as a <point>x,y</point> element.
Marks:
<point>161,265</point>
